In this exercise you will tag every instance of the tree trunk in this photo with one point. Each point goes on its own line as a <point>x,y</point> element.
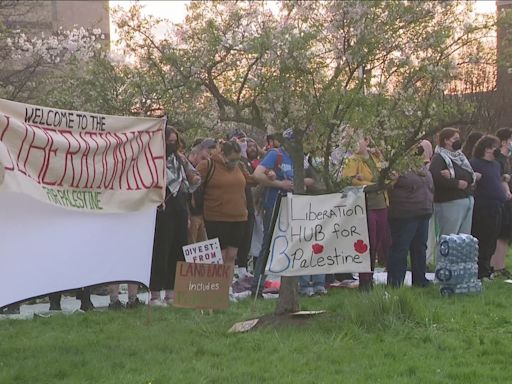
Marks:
<point>288,296</point>
<point>289,291</point>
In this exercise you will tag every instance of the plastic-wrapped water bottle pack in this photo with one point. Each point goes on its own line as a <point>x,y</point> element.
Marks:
<point>457,264</point>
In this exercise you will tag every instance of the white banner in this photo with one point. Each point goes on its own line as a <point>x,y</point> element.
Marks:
<point>320,234</point>
<point>204,252</point>
<point>82,161</point>
<point>46,249</point>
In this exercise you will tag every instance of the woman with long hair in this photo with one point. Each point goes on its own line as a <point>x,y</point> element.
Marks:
<point>171,220</point>
<point>453,178</point>
<point>489,199</point>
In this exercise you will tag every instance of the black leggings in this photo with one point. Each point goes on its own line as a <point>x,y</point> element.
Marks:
<point>485,227</point>
<point>170,237</point>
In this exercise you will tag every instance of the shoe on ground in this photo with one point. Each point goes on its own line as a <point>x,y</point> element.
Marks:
<point>116,305</point>
<point>308,291</point>
<point>157,303</point>
<point>320,290</point>
<point>132,304</point>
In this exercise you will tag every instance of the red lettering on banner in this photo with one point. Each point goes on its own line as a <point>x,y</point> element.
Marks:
<point>7,167</point>
<point>104,162</point>
<point>23,171</point>
<point>158,158</point>
<point>121,150</point>
<point>131,161</point>
<point>51,150</point>
<point>110,183</point>
<point>97,146</point>
<point>84,160</point>
<point>34,146</point>
<point>146,186</point>
<point>126,160</point>
<point>69,155</point>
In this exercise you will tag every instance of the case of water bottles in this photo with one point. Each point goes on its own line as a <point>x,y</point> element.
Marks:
<point>457,265</point>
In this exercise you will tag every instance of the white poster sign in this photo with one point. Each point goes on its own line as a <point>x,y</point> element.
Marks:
<point>44,248</point>
<point>60,169</point>
<point>204,252</point>
<point>320,234</point>
<point>80,160</point>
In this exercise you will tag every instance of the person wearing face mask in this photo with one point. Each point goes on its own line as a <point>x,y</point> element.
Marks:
<point>171,221</point>
<point>225,203</point>
<point>453,178</point>
<point>489,199</point>
<point>505,233</point>
<point>254,153</point>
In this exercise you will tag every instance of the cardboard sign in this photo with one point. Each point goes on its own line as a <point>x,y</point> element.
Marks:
<point>204,252</point>
<point>243,326</point>
<point>202,286</point>
<point>82,161</point>
<point>320,234</point>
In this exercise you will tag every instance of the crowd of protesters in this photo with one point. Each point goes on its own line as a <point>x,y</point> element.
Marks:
<point>227,189</point>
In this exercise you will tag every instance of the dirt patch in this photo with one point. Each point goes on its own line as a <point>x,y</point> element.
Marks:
<point>274,321</point>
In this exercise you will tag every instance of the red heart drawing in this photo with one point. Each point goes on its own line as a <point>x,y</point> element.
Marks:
<point>360,246</point>
<point>317,248</point>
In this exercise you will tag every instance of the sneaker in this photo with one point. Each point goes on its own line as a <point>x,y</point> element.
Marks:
<point>307,291</point>
<point>157,303</point>
<point>116,305</point>
<point>168,300</point>
<point>131,304</point>
<point>320,290</point>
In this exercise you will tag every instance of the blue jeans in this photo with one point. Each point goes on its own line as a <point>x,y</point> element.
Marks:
<point>259,269</point>
<point>315,280</point>
<point>409,235</point>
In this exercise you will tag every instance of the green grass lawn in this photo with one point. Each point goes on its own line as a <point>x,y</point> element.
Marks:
<point>387,336</point>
